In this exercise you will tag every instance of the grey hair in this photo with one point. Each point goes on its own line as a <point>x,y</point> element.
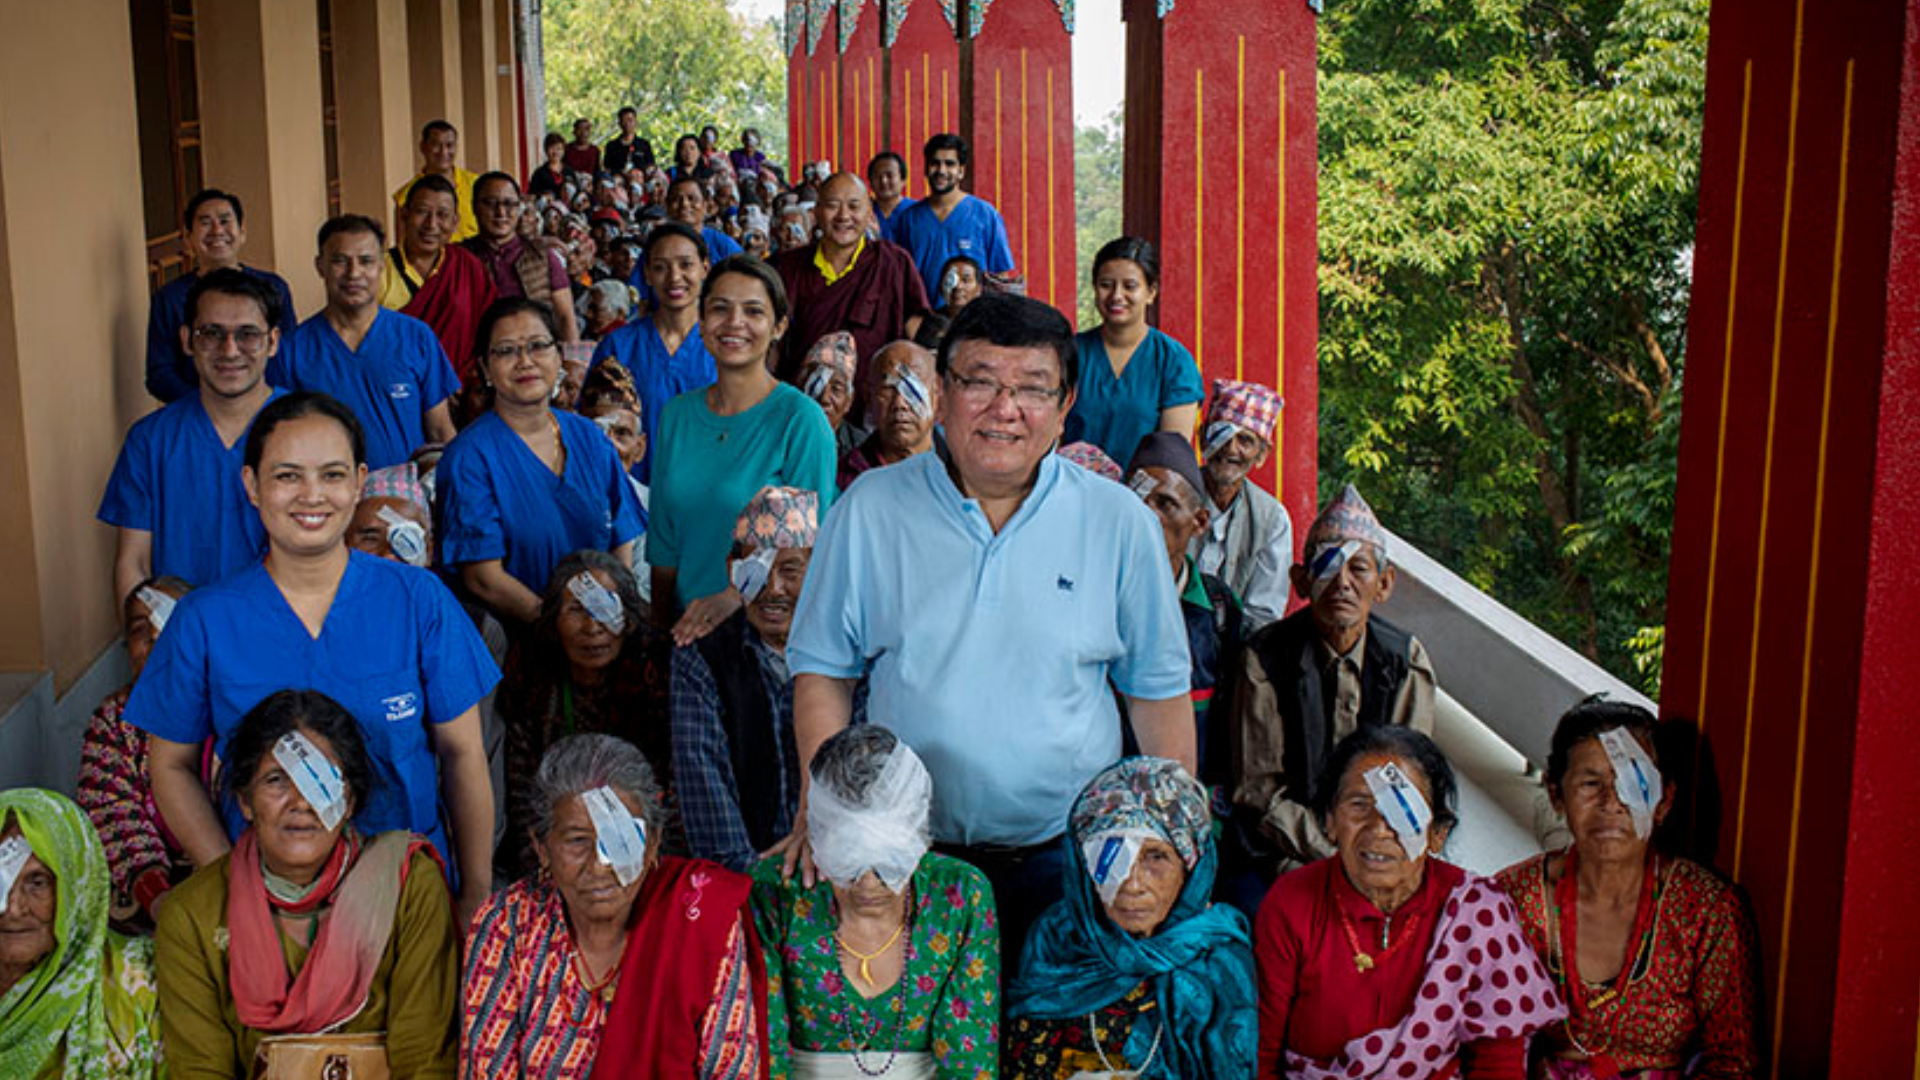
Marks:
<point>614,297</point>
<point>850,761</point>
<point>579,763</point>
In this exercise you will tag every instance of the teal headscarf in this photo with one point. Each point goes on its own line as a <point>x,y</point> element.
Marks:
<point>93,997</point>
<point>1199,962</point>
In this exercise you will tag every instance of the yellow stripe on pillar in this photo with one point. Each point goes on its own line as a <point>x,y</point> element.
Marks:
<point>873,113</point>
<point>1051,198</point>
<point>1280,310</point>
<point>1199,218</point>
<point>1026,111</point>
<point>1240,219</point>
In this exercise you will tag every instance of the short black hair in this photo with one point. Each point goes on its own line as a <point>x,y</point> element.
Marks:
<point>294,406</point>
<point>682,230</point>
<point>437,184</point>
<point>232,281</point>
<point>495,177</point>
<point>688,179</point>
<point>1133,249</point>
<point>438,125</point>
<point>349,223</point>
<point>1588,720</point>
<point>748,266</point>
<point>506,308</point>
<point>286,711</point>
<point>553,138</point>
<point>627,110</point>
<point>933,330</point>
<point>207,195</point>
<point>887,155</point>
<point>1404,743</point>
<point>947,140</point>
<point>1017,322</point>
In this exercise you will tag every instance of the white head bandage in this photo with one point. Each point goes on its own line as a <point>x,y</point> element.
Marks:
<point>912,391</point>
<point>819,380</point>
<point>1110,857</point>
<point>620,838</point>
<point>887,834</point>
<point>317,779</point>
<point>600,601</point>
<point>1402,805</point>
<point>949,281</point>
<point>13,856</point>
<point>1218,435</point>
<point>607,421</point>
<point>407,539</point>
<point>1636,779</point>
<point>159,607</point>
<point>1144,484</point>
<point>1326,564</point>
<point>750,573</point>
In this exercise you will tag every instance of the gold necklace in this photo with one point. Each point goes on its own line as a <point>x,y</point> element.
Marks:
<point>867,959</point>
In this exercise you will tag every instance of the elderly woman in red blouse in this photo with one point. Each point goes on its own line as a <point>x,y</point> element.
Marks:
<point>1383,960</point>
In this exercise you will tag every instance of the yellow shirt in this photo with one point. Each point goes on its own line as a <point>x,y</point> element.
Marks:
<point>463,186</point>
<point>396,292</point>
<point>821,264</point>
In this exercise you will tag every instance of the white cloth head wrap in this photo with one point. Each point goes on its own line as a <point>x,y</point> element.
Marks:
<point>886,834</point>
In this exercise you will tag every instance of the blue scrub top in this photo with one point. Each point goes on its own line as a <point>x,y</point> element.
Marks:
<point>170,371</point>
<point>497,500</point>
<point>659,376</point>
<point>396,651</point>
<point>973,229</point>
<point>890,222</point>
<point>1115,414</point>
<point>719,246</point>
<point>175,479</point>
<point>399,372</point>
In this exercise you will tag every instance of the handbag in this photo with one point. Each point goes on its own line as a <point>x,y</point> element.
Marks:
<point>361,1056</point>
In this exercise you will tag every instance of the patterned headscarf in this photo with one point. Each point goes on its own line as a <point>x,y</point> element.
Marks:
<point>401,482</point>
<point>94,993</point>
<point>1250,407</point>
<point>1091,458</point>
<point>1150,793</point>
<point>779,517</point>
<point>1346,518</point>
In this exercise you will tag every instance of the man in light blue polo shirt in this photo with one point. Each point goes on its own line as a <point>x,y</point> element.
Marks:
<point>994,595</point>
<point>950,222</point>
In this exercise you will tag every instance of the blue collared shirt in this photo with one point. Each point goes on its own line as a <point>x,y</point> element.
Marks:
<point>994,655</point>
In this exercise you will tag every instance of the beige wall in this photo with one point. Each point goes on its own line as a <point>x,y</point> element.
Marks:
<point>433,51</point>
<point>373,100</point>
<point>505,92</point>
<point>260,115</point>
<point>73,308</point>
<point>480,133</point>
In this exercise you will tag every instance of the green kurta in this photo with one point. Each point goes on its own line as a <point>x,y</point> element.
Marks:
<point>414,997</point>
<point>951,991</point>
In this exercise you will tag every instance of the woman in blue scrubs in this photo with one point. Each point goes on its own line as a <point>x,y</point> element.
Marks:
<point>1134,380</point>
<point>526,484</point>
<point>387,641</point>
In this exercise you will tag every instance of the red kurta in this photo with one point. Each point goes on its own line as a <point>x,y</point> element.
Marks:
<point>1314,1000</point>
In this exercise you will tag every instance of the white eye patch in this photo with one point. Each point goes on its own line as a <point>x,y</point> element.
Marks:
<point>159,607</point>
<point>1327,561</point>
<point>407,539</point>
<point>620,839</point>
<point>949,281</point>
<point>819,381</point>
<point>1110,857</point>
<point>13,857</point>
<point>1403,806</point>
<point>1636,779</point>
<point>317,779</point>
<point>1218,435</point>
<point>750,574</point>
<point>601,604</point>
<point>912,391</point>
<point>1143,484</point>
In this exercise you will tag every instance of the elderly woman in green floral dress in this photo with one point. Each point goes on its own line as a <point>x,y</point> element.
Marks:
<point>76,999</point>
<point>890,964</point>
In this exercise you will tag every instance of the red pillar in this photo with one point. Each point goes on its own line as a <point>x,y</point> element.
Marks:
<point>1792,619</point>
<point>796,43</point>
<point>1022,138</point>
<point>862,84</point>
<point>1217,94</point>
<point>923,87</point>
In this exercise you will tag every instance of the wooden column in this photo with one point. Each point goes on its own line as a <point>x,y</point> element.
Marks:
<point>479,92</point>
<point>433,36</point>
<point>374,97</point>
<point>1792,617</point>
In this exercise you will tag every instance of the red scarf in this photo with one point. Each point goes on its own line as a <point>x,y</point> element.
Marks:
<point>451,302</point>
<point>685,910</point>
<point>333,983</point>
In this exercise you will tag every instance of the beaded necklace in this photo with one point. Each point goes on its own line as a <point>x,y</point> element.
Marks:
<point>1564,957</point>
<point>897,1000</point>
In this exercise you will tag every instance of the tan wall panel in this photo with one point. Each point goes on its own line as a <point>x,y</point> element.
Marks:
<point>73,307</point>
<point>373,97</point>
<point>433,54</point>
<point>506,94</point>
<point>481,105</point>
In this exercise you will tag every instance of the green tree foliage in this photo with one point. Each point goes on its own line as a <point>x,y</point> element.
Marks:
<point>1507,195</point>
<point>681,63</point>
<point>1097,183</point>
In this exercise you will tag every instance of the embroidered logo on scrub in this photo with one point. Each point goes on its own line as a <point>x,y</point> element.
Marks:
<point>401,706</point>
<point>317,779</point>
<point>601,604</point>
<point>399,391</point>
<point>620,839</point>
<point>1636,779</point>
<point>1403,806</point>
<point>13,856</point>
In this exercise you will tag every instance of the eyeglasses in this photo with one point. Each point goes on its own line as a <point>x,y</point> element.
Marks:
<point>249,339</point>
<point>510,350</point>
<point>980,393</point>
<point>497,204</point>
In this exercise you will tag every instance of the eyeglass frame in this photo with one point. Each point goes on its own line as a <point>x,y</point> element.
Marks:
<point>967,387</point>
<point>212,336</point>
